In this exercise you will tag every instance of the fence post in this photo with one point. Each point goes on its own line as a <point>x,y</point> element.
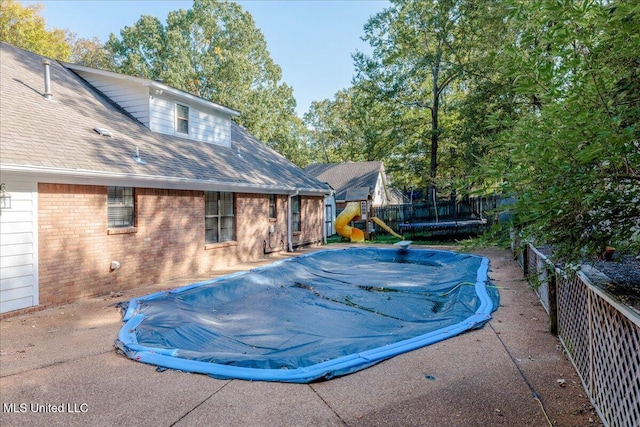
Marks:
<point>553,301</point>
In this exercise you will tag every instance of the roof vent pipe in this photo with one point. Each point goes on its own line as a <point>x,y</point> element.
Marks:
<point>47,80</point>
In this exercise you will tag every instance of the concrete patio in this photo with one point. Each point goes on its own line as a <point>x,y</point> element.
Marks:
<point>512,372</point>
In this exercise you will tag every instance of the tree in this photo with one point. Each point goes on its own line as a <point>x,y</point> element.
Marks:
<point>24,27</point>
<point>292,142</point>
<point>574,146</point>
<point>142,51</point>
<point>90,53</point>
<point>484,104</point>
<point>214,51</point>
<point>349,127</point>
<point>419,49</point>
<point>332,129</point>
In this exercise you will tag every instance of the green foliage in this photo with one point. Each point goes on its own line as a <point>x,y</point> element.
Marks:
<point>402,106</point>
<point>535,99</point>
<point>539,100</point>
<point>90,53</point>
<point>486,102</point>
<point>571,152</point>
<point>22,26</point>
<point>351,127</point>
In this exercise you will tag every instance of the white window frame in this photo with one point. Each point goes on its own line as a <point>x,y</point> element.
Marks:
<point>220,217</point>
<point>273,206</point>
<point>121,209</point>
<point>296,217</point>
<point>180,119</point>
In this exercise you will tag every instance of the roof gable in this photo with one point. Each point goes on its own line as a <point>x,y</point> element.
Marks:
<point>151,84</point>
<point>158,106</point>
<point>349,175</point>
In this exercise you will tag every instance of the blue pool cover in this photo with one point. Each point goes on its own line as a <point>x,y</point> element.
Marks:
<point>312,317</point>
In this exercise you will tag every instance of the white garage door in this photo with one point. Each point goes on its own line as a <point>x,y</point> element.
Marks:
<point>19,246</point>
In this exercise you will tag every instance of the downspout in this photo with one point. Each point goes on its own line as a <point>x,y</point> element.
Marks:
<point>289,215</point>
<point>323,221</point>
<point>332,196</point>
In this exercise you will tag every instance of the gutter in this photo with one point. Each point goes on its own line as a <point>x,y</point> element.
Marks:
<point>89,177</point>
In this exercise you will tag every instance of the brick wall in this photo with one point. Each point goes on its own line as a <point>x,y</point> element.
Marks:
<point>76,248</point>
<point>312,211</point>
<point>73,259</point>
<point>253,225</point>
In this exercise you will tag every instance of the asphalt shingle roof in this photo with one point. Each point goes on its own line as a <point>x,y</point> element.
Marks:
<point>58,137</point>
<point>345,176</point>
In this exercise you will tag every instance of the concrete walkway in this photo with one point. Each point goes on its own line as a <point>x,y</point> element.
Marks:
<point>63,359</point>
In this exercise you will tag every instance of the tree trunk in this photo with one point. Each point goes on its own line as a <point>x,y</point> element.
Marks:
<point>435,133</point>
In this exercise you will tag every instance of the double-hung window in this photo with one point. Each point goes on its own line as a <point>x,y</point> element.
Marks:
<point>120,207</point>
<point>272,206</point>
<point>182,119</point>
<point>219,220</point>
<point>295,214</point>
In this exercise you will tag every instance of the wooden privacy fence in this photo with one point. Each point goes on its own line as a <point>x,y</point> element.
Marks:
<point>600,335</point>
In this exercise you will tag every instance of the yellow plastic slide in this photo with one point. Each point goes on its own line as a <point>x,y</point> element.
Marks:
<point>386,227</point>
<point>351,211</point>
<point>342,226</point>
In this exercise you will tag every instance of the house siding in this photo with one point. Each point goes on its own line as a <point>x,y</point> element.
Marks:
<point>55,244</point>
<point>76,250</point>
<point>132,97</point>
<point>312,222</point>
<point>205,126</point>
<point>379,197</point>
<point>157,111</point>
<point>18,246</point>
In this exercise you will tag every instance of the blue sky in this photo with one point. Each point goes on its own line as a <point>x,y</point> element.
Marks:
<point>312,41</point>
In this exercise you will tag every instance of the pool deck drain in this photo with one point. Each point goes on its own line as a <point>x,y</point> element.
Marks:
<point>63,358</point>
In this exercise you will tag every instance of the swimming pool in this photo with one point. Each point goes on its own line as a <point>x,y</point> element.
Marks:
<point>312,317</point>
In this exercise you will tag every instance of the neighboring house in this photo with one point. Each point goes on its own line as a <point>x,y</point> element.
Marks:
<point>116,182</point>
<point>343,177</point>
<point>351,176</point>
<point>396,197</point>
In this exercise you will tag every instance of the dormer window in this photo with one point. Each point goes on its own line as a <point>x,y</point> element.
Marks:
<point>182,119</point>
